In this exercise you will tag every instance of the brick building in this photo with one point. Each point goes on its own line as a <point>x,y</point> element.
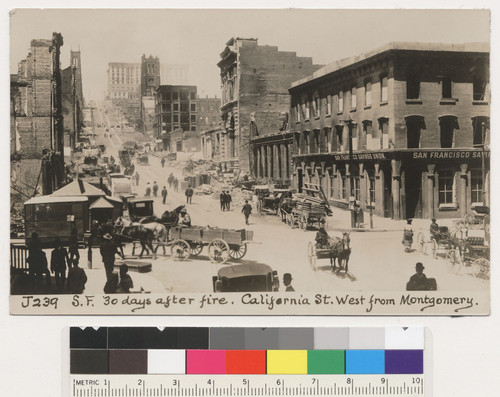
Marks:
<point>403,129</point>
<point>150,75</point>
<point>176,109</point>
<point>255,81</point>
<point>37,139</point>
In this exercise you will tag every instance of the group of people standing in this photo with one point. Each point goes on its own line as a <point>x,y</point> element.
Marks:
<point>60,261</point>
<point>173,182</point>
<point>115,283</point>
<point>225,200</point>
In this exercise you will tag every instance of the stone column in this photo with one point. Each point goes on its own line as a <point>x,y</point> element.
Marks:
<point>431,169</point>
<point>276,163</point>
<point>257,163</point>
<point>269,161</point>
<point>462,199</point>
<point>395,189</point>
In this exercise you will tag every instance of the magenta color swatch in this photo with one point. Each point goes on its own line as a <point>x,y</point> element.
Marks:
<point>205,362</point>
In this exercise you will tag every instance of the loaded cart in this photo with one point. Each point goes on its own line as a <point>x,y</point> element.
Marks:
<point>222,243</point>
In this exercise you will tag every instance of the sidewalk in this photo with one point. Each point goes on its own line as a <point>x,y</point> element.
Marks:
<point>341,221</point>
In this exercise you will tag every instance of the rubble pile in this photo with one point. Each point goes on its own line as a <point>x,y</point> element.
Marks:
<point>204,189</point>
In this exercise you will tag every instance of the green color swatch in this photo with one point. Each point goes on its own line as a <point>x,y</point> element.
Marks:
<point>326,362</point>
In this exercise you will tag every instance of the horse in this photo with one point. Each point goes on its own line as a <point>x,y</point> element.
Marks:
<point>170,218</point>
<point>160,232</point>
<point>126,231</point>
<point>340,250</point>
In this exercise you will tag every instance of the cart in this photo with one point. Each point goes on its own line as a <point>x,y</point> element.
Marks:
<point>443,241</point>
<point>473,252</point>
<point>221,244</point>
<point>307,213</point>
<point>143,159</point>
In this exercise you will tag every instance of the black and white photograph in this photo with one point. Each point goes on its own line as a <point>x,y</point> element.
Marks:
<point>250,162</point>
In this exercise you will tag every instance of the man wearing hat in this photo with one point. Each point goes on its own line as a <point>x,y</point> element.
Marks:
<point>108,250</point>
<point>287,282</point>
<point>434,229</point>
<point>184,218</point>
<point>322,238</point>
<point>418,282</point>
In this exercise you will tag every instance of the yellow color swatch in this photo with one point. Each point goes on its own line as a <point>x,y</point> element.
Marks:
<point>286,362</point>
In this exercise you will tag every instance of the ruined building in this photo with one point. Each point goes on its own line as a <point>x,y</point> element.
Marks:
<point>255,80</point>
<point>37,138</point>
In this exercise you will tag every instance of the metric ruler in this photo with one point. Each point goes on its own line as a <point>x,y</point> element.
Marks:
<point>245,385</point>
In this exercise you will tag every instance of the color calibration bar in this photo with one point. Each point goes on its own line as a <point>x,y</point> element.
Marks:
<point>199,362</point>
<point>213,351</point>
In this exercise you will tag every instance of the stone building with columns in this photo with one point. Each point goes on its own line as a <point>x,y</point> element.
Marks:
<point>402,129</point>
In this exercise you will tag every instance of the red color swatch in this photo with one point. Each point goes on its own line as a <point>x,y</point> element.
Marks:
<point>245,361</point>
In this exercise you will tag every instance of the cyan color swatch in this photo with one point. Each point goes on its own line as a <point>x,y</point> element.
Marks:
<point>365,362</point>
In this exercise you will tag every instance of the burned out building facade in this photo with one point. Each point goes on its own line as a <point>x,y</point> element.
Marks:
<point>255,80</point>
<point>37,134</point>
<point>403,130</point>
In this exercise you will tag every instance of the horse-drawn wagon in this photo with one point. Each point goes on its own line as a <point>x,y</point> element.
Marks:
<point>221,244</point>
<point>336,249</point>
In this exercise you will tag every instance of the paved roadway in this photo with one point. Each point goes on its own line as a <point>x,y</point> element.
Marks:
<point>378,261</point>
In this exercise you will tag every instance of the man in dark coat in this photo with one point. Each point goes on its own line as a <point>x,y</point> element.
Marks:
<point>108,250</point>
<point>418,282</point>
<point>164,194</point>
<point>228,201</point>
<point>322,238</point>
<point>76,279</point>
<point>222,198</point>
<point>189,194</point>
<point>58,260</point>
<point>246,210</point>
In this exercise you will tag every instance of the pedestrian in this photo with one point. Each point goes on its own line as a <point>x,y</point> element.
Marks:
<point>73,243</point>
<point>246,210</point>
<point>418,282</point>
<point>137,178</point>
<point>287,282</point>
<point>189,194</point>
<point>148,190</point>
<point>126,282</point>
<point>163,162</point>
<point>155,189</point>
<point>76,279</point>
<point>164,194</point>
<point>108,250</point>
<point>170,180</point>
<point>111,284</point>
<point>229,199</point>
<point>184,219</point>
<point>222,198</point>
<point>59,261</point>
<point>34,258</point>
<point>176,185</point>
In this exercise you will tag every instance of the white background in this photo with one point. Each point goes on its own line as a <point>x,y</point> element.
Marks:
<point>466,349</point>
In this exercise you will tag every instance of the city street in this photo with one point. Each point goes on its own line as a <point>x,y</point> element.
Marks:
<point>378,261</point>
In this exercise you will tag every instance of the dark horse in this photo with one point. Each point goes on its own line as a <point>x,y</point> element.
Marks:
<point>340,250</point>
<point>127,232</point>
<point>170,218</point>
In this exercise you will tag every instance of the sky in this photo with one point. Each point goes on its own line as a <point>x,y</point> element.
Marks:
<point>197,37</point>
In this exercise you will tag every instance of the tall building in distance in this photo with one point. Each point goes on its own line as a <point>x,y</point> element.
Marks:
<point>403,130</point>
<point>255,81</point>
<point>150,81</point>
<point>76,62</point>
<point>37,139</point>
<point>176,109</point>
<point>150,75</point>
<point>124,87</point>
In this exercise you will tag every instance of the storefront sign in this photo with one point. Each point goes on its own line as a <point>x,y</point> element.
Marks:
<point>445,154</point>
<point>361,156</point>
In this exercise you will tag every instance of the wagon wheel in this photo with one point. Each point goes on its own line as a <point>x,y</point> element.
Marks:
<point>218,251</point>
<point>435,247</point>
<point>290,220</point>
<point>237,251</point>
<point>454,260</point>
<point>481,268</point>
<point>196,247</point>
<point>303,222</point>
<point>420,242</point>
<point>180,250</point>
<point>311,254</point>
